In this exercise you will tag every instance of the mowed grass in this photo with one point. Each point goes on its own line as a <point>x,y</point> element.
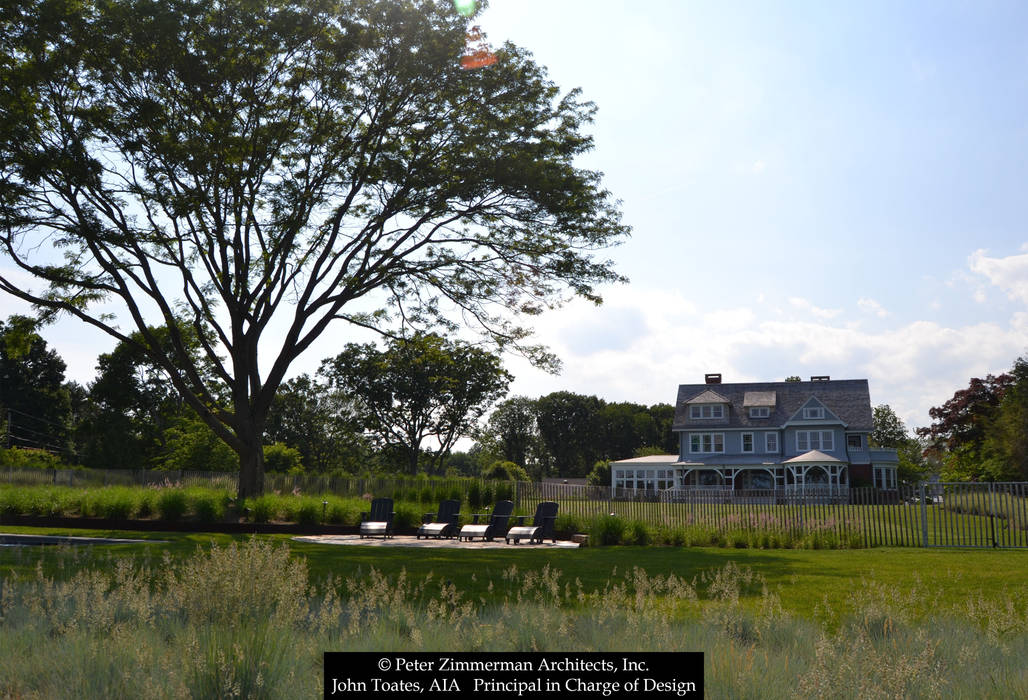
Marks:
<point>223,616</point>
<point>808,582</point>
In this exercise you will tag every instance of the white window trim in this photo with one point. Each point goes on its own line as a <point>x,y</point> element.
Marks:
<point>696,411</point>
<point>742,443</point>
<point>767,446</point>
<point>820,440</point>
<point>701,451</point>
<point>760,412</point>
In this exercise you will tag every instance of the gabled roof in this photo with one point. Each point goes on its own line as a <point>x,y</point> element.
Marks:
<point>759,398</point>
<point>812,456</point>
<point>848,399</point>
<point>708,396</point>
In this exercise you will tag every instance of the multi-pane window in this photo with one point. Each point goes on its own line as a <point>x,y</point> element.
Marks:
<point>854,441</point>
<point>747,442</point>
<point>814,413</point>
<point>648,479</point>
<point>771,442</point>
<point>700,443</point>
<point>760,412</point>
<point>714,410</point>
<point>815,440</point>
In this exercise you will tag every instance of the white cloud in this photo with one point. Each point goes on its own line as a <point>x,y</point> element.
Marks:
<point>1010,274</point>
<point>816,311</point>
<point>911,366</point>
<point>873,307</point>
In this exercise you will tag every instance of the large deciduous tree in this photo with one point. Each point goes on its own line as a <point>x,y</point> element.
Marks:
<point>419,394</point>
<point>248,165</point>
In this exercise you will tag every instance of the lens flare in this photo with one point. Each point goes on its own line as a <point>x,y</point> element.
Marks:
<point>465,7</point>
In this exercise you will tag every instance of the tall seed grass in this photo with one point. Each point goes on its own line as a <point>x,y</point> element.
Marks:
<point>247,621</point>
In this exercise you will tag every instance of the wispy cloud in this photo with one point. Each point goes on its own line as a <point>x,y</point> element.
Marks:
<point>872,307</point>
<point>1010,274</point>
<point>911,365</point>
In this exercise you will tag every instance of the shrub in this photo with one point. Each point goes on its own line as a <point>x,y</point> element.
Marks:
<point>637,533</point>
<point>475,494</point>
<point>308,512</point>
<point>117,504</point>
<point>488,495</point>
<point>607,530</point>
<point>172,504</point>
<point>405,517</point>
<point>209,507</point>
<point>505,471</point>
<point>263,508</point>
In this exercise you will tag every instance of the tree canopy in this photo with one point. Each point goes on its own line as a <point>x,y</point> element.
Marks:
<point>243,165</point>
<point>420,394</point>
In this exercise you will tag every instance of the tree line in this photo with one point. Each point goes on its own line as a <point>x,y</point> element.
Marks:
<point>398,408</point>
<point>402,407</point>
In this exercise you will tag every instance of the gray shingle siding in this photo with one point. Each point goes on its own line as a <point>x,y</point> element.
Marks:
<point>849,399</point>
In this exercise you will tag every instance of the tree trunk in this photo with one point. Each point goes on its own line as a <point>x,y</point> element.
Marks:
<point>251,470</point>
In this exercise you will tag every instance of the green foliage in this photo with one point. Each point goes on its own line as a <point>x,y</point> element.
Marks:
<point>29,458</point>
<point>172,504</point>
<point>418,389</point>
<point>475,495</point>
<point>505,471</point>
<point>320,423</point>
<point>193,446</point>
<point>600,475</point>
<point>607,530</point>
<point>280,458</point>
<point>475,171</point>
<point>34,401</point>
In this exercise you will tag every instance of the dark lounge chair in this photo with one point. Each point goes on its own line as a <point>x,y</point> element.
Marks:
<point>541,527</point>
<point>379,522</point>
<point>496,527</point>
<point>442,523</point>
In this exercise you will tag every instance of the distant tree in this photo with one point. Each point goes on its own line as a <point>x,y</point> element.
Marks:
<point>131,406</point>
<point>567,425</point>
<point>321,423</point>
<point>888,429</point>
<point>664,417</point>
<point>34,400</point>
<point>511,434</point>
<point>600,474</point>
<point>420,394</point>
<point>282,458</point>
<point>255,164</point>
<point>793,378</point>
<point>961,427</point>
<point>1005,449</point>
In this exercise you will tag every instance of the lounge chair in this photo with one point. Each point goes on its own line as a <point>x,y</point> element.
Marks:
<point>379,522</point>
<point>496,527</point>
<point>442,523</point>
<point>541,527</point>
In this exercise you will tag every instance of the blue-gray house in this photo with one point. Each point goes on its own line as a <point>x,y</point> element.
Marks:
<point>786,437</point>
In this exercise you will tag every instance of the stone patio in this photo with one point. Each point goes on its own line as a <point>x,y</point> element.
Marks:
<point>410,541</point>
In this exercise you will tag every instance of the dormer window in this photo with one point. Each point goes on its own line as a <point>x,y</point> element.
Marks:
<point>707,411</point>
<point>815,413</point>
<point>760,412</point>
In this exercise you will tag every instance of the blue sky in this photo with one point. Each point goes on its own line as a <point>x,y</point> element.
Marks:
<point>814,188</point>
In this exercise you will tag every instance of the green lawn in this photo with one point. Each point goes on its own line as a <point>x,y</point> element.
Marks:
<point>805,580</point>
<point>117,620</point>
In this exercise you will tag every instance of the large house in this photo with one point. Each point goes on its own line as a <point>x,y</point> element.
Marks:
<point>786,437</point>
